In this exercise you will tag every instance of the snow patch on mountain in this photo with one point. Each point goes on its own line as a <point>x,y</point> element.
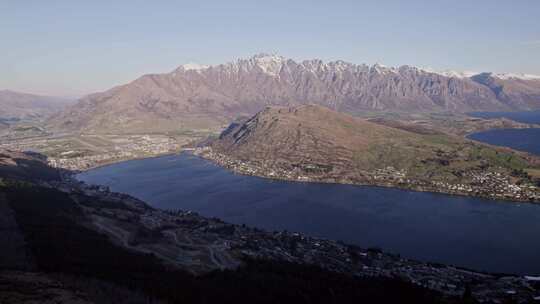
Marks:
<point>469,74</point>
<point>507,76</point>
<point>451,73</point>
<point>194,67</point>
<point>269,64</point>
<point>272,65</point>
<point>458,74</point>
<point>383,69</point>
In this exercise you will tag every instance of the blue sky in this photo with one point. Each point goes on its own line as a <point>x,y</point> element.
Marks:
<point>78,47</point>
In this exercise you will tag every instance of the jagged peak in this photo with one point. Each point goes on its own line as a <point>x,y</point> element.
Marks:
<point>383,69</point>
<point>469,74</point>
<point>272,65</point>
<point>457,74</point>
<point>269,63</point>
<point>450,73</point>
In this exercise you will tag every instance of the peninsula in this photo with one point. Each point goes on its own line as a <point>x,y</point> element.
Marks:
<point>312,143</point>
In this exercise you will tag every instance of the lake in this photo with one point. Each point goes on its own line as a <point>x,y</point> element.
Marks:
<point>525,140</point>
<point>470,232</point>
<point>520,139</point>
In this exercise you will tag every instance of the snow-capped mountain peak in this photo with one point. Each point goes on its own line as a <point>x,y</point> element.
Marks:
<point>269,64</point>
<point>451,73</point>
<point>458,74</point>
<point>507,76</point>
<point>383,69</point>
<point>469,74</point>
<point>272,64</point>
<point>194,66</point>
<point>241,87</point>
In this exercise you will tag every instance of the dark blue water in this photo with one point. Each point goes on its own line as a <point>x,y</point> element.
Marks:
<point>525,140</point>
<point>520,139</point>
<point>525,117</point>
<point>469,232</point>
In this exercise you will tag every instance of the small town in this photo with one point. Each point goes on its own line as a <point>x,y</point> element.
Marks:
<point>493,185</point>
<point>90,151</point>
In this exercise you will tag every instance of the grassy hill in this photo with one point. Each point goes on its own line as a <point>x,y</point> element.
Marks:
<point>318,142</point>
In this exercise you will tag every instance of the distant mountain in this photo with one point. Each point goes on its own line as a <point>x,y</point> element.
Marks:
<point>516,91</point>
<point>16,106</point>
<point>195,96</point>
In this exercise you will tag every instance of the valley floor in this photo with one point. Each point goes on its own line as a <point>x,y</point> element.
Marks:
<point>87,151</point>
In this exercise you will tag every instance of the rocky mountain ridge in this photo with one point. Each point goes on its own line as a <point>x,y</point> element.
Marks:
<point>195,96</point>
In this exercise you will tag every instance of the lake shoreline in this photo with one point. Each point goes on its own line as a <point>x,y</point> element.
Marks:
<point>230,164</point>
<point>488,137</point>
<point>442,277</point>
<point>188,182</point>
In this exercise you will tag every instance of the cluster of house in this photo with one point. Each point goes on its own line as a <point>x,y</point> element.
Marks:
<point>390,174</point>
<point>148,144</point>
<point>497,185</point>
<point>249,168</point>
<point>483,183</point>
<point>86,162</point>
<point>143,146</point>
<point>88,151</point>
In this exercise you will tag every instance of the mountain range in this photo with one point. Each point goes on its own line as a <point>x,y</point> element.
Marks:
<point>197,97</point>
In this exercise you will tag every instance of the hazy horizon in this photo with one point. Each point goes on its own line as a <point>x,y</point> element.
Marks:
<point>73,49</point>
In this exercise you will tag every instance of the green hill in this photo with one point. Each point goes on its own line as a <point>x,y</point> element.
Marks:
<point>316,143</point>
